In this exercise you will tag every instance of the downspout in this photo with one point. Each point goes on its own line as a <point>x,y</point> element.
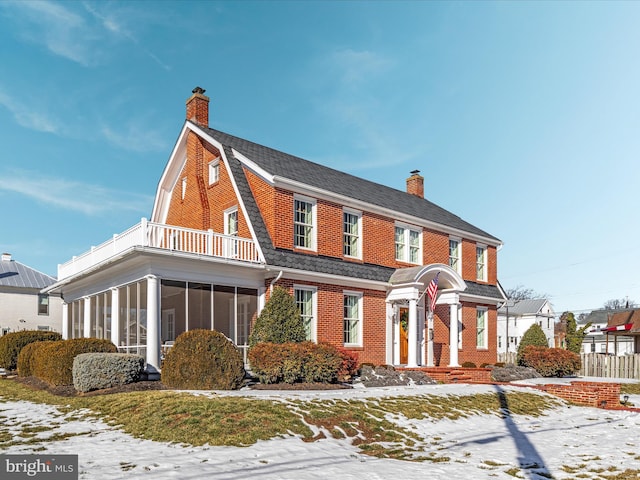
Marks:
<point>274,281</point>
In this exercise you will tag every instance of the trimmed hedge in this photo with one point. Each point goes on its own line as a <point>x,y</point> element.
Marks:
<point>550,362</point>
<point>53,361</point>
<point>203,360</point>
<point>25,359</point>
<point>95,371</point>
<point>12,343</point>
<point>301,362</point>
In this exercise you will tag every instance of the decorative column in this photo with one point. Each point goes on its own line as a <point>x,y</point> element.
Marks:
<point>153,325</point>
<point>453,334</point>
<point>87,317</point>
<point>412,333</point>
<point>115,316</point>
<point>430,361</point>
<point>65,321</point>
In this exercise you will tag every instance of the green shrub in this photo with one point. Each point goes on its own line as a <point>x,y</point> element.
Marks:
<point>95,371</point>
<point>301,362</point>
<point>203,360</point>
<point>349,366</point>
<point>468,365</point>
<point>25,359</point>
<point>12,343</point>
<point>279,322</point>
<point>551,362</point>
<point>533,336</point>
<point>53,361</point>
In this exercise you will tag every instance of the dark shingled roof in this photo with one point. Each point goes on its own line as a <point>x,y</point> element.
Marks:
<point>294,168</point>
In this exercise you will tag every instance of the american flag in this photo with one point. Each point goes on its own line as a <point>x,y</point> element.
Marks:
<point>432,291</point>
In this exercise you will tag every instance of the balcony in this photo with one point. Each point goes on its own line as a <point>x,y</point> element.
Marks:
<point>166,237</point>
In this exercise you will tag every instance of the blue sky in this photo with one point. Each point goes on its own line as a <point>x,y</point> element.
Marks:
<point>523,117</point>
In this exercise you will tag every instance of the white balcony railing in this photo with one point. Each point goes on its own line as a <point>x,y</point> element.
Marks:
<point>168,237</point>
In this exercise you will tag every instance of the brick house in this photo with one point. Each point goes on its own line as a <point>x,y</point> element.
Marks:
<point>232,218</point>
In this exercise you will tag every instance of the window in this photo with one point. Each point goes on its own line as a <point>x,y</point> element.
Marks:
<point>481,262</point>
<point>407,243</point>
<point>352,318</point>
<point>214,171</point>
<point>303,220</point>
<point>231,229</point>
<point>304,297</point>
<point>351,234</point>
<point>43,328</point>
<point>454,254</point>
<point>184,187</point>
<point>43,304</point>
<point>481,328</point>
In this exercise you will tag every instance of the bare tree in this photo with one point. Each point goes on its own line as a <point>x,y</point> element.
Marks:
<point>519,292</point>
<point>619,303</point>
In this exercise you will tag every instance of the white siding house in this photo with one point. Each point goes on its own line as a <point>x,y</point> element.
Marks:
<point>516,316</point>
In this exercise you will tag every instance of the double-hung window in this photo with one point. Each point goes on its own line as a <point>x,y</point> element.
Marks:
<point>214,171</point>
<point>305,301</point>
<point>407,242</point>
<point>304,223</point>
<point>231,229</point>
<point>43,304</point>
<point>481,262</point>
<point>352,318</point>
<point>351,234</point>
<point>454,254</point>
<point>481,327</point>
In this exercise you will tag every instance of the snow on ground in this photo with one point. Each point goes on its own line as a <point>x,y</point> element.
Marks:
<point>485,446</point>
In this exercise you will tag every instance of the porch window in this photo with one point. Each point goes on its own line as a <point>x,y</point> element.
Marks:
<point>454,254</point>
<point>481,327</point>
<point>304,297</point>
<point>304,233</point>
<point>43,304</point>
<point>351,234</point>
<point>481,262</point>
<point>352,318</point>
<point>407,242</point>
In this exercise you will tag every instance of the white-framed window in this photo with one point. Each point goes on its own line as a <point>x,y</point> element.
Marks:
<point>352,233</point>
<point>481,262</point>
<point>231,229</point>
<point>184,187</point>
<point>407,242</point>
<point>352,318</point>
<point>304,221</point>
<point>482,337</point>
<point>43,304</point>
<point>455,260</point>
<point>305,298</point>
<point>214,171</point>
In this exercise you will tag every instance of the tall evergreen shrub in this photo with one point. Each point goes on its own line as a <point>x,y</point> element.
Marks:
<point>279,322</point>
<point>533,336</point>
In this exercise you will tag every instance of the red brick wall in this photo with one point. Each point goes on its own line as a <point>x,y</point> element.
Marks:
<point>591,394</point>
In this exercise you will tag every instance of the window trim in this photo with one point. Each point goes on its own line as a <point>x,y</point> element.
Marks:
<point>314,222</point>
<point>359,296</point>
<point>214,171</point>
<point>483,277</point>
<point>227,213</point>
<point>407,228</point>
<point>458,267</point>
<point>485,332</point>
<point>314,308</point>
<point>358,215</point>
<point>43,296</point>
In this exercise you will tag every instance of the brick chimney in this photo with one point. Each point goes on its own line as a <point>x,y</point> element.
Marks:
<point>198,107</point>
<point>415,184</point>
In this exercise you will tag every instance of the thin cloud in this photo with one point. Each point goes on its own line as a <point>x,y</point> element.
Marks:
<point>136,138</point>
<point>85,198</point>
<point>26,117</point>
<point>353,66</point>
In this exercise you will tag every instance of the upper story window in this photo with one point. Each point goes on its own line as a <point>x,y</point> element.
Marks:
<point>304,235</point>
<point>454,254</point>
<point>184,187</point>
<point>481,327</point>
<point>305,300</point>
<point>352,318</point>
<point>214,171</point>
<point>481,262</point>
<point>407,242</point>
<point>351,234</point>
<point>43,304</point>
<point>231,221</point>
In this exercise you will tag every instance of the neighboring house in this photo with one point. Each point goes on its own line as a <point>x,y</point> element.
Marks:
<point>515,317</point>
<point>22,306</point>
<point>611,331</point>
<point>232,218</point>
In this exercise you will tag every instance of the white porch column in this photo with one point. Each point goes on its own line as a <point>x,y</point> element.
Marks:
<point>87,317</point>
<point>421,334</point>
<point>430,361</point>
<point>396,335</point>
<point>115,316</point>
<point>65,321</point>
<point>453,334</point>
<point>153,325</point>
<point>412,333</point>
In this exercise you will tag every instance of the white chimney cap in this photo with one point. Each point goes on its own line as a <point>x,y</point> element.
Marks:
<point>6,257</point>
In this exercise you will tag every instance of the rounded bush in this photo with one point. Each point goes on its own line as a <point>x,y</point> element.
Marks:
<point>551,362</point>
<point>53,361</point>
<point>25,359</point>
<point>96,371</point>
<point>12,343</point>
<point>203,360</point>
<point>533,336</point>
<point>468,365</point>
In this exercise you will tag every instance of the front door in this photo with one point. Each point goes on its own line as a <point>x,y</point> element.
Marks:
<point>404,337</point>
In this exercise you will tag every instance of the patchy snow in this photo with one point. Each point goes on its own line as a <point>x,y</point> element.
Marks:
<point>481,446</point>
